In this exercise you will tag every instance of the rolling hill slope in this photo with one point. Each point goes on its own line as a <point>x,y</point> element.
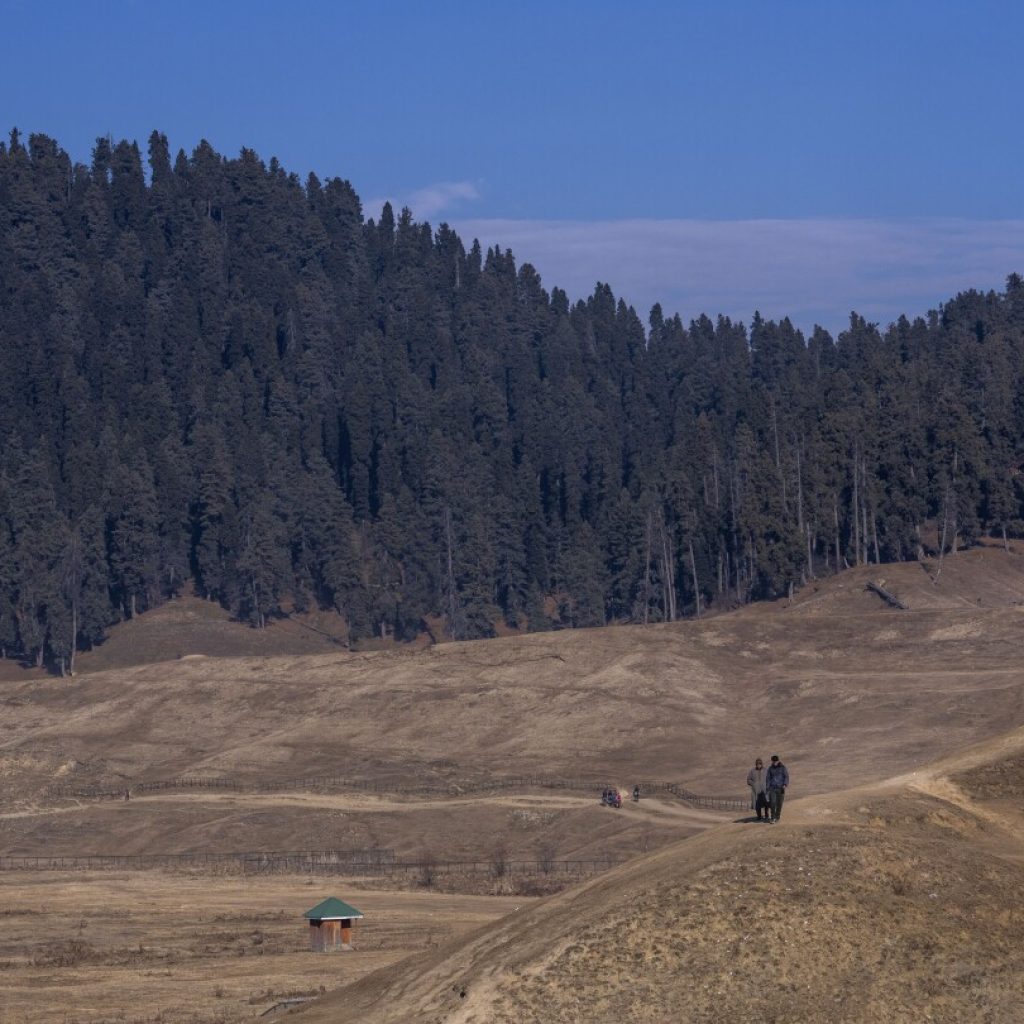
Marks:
<point>888,894</point>
<point>843,686</point>
<point>889,903</point>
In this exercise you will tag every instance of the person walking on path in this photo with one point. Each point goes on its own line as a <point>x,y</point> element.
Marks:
<point>777,780</point>
<point>757,780</point>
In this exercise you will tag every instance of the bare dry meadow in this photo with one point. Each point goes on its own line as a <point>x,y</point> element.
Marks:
<point>889,893</point>
<point>170,948</point>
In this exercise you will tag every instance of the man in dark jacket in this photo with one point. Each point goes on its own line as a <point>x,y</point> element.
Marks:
<point>776,782</point>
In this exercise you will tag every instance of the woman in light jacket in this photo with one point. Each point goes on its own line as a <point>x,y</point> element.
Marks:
<point>757,779</point>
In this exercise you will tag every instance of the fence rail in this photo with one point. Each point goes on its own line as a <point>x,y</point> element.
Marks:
<point>380,863</point>
<point>393,786</point>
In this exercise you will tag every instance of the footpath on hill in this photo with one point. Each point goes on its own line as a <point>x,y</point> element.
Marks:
<point>911,882</point>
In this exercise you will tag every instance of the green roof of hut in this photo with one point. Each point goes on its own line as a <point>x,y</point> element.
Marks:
<point>330,908</point>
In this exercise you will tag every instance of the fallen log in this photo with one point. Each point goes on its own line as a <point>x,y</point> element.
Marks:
<point>886,596</point>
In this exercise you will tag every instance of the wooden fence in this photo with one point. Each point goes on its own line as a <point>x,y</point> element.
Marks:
<point>351,863</point>
<point>370,860</point>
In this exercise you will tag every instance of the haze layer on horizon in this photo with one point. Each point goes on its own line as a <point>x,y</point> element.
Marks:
<point>803,159</point>
<point>814,271</point>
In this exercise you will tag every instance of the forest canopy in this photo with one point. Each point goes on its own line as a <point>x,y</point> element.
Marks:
<point>214,374</point>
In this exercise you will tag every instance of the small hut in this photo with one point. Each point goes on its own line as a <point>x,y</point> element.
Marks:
<point>331,924</point>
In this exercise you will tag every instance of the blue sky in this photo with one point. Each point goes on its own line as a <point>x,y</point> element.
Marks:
<point>804,158</point>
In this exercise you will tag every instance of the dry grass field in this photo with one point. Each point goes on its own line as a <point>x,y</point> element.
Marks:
<point>181,948</point>
<point>887,894</point>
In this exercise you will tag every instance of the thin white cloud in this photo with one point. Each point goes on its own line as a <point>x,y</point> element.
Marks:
<point>813,271</point>
<point>427,202</point>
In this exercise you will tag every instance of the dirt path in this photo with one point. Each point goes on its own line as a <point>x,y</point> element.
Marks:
<point>647,809</point>
<point>1005,830</point>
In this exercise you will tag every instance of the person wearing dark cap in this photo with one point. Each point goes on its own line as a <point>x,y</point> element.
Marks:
<point>776,781</point>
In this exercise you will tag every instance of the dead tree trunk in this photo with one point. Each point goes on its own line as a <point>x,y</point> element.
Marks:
<point>696,584</point>
<point>945,527</point>
<point>451,570</point>
<point>884,594</point>
<point>835,519</point>
<point>74,638</point>
<point>647,569</point>
<point>874,537</point>
<point>799,493</point>
<point>864,532</point>
<point>668,574</point>
<point>856,510</point>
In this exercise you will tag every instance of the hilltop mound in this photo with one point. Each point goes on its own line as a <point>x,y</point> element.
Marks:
<point>190,627</point>
<point>982,577</point>
<point>885,905</point>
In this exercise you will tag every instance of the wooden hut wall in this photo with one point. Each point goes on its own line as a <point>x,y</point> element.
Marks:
<point>325,936</point>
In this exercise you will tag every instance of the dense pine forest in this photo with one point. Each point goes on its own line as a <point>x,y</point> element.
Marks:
<point>216,375</point>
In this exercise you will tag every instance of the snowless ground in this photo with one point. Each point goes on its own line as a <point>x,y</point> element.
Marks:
<point>888,893</point>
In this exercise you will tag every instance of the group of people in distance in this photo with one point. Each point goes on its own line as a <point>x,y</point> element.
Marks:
<point>768,788</point>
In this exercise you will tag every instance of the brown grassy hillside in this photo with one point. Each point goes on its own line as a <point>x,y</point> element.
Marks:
<point>895,902</point>
<point>883,905</point>
<point>847,689</point>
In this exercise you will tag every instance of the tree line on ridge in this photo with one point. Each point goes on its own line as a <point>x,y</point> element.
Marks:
<point>218,376</point>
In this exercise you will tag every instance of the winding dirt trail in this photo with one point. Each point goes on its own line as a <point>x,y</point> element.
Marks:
<point>665,811</point>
